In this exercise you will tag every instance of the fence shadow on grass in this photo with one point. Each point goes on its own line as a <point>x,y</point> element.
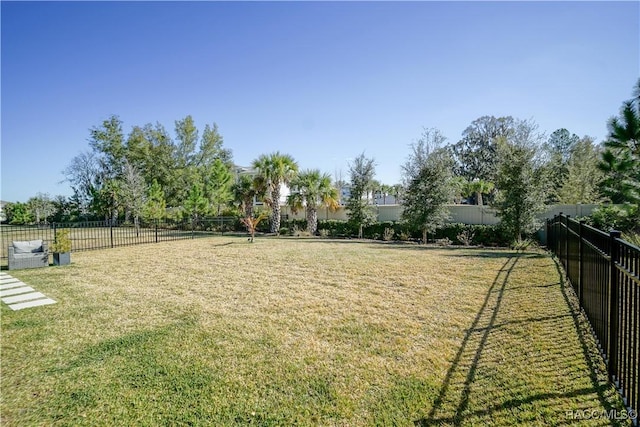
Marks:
<point>522,359</point>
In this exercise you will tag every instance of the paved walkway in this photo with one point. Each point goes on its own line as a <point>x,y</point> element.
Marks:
<point>17,295</point>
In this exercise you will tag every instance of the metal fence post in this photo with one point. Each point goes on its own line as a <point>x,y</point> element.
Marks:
<point>580,264</point>
<point>613,305</point>
<point>111,232</point>
<point>547,234</point>
<point>552,235</point>
<point>559,242</point>
<point>566,243</point>
<point>156,230</point>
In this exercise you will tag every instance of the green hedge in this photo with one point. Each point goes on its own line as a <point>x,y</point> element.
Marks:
<point>486,235</point>
<point>337,228</point>
<point>483,235</point>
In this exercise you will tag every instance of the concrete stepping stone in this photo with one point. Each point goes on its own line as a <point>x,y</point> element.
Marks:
<point>18,295</point>
<point>23,297</point>
<point>16,291</point>
<point>16,284</point>
<point>34,303</point>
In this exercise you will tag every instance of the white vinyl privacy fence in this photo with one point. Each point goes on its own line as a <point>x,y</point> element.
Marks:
<point>465,214</point>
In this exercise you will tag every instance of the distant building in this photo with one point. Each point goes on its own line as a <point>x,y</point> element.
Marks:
<point>252,172</point>
<point>379,198</point>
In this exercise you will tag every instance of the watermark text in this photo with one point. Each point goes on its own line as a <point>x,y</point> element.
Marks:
<point>601,414</point>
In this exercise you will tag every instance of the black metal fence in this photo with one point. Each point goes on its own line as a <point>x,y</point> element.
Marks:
<point>91,235</point>
<point>604,271</point>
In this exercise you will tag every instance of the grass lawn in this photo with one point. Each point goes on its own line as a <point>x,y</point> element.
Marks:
<point>283,332</point>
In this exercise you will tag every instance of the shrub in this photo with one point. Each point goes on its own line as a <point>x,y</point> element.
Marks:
<point>292,226</point>
<point>388,234</point>
<point>615,218</point>
<point>336,228</point>
<point>62,241</point>
<point>444,242</point>
<point>466,236</point>
<point>404,236</point>
<point>485,235</point>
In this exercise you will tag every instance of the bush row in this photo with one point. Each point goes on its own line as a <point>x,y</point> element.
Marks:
<point>485,235</point>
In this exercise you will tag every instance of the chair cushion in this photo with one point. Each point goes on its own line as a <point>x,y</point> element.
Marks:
<point>28,246</point>
<point>29,255</point>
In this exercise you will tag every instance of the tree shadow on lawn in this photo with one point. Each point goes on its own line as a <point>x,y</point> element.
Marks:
<point>527,358</point>
<point>468,251</point>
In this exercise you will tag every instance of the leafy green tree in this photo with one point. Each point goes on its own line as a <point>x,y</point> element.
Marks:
<point>218,181</point>
<point>521,189</point>
<point>64,209</point>
<point>476,153</point>
<point>187,139</point>
<point>561,142</point>
<point>174,165</point>
<point>558,148</point>
<point>211,148</point>
<point>41,207</point>
<point>107,200</point>
<point>196,205</point>
<point>311,190</point>
<point>156,206</point>
<point>429,184</point>
<point>359,208</point>
<point>107,141</point>
<point>154,154</point>
<point>582,181</point>
<point>18,213</point>
<point>275,169</point>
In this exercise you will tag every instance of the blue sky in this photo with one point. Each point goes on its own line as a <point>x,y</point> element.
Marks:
<point>322,81</point>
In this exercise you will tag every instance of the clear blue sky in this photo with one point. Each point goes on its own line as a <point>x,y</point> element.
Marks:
<point>322,81</point>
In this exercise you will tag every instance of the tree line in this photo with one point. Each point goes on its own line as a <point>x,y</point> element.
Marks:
<point>503,161</point>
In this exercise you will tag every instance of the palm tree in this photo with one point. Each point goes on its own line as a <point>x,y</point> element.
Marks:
<point>398,191</point>
<point>385,190</point>
<point>479,187</point>
<point>312,189</point>
<point>252,223</point>
<point>243,193</point>
<point>275,169</point>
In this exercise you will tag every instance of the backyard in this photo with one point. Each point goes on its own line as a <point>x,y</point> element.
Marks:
<point>219,331</point>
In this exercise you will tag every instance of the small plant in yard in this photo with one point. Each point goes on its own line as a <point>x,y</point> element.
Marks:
<point>252,223</point>
<point>404,236</point>
<point>61,247</point>
<point>466,236</point>
<point>388,234</point>
<point>62,242</point>
<point>522,244</point>
<point>324,233</point>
